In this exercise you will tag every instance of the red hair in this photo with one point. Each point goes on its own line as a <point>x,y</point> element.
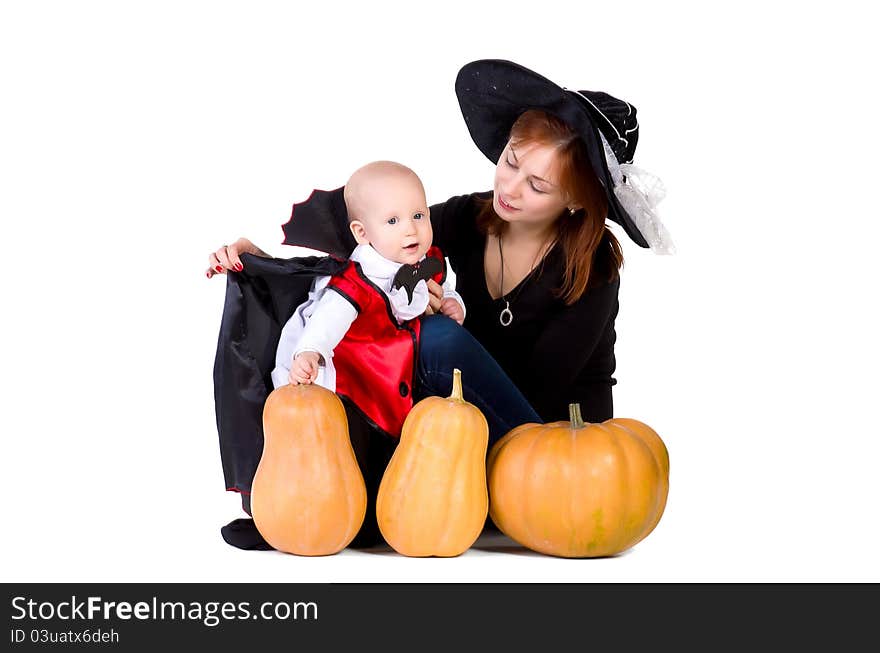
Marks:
<point>582,235</point>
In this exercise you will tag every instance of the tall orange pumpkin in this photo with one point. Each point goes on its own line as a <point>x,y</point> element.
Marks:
<point>578,490</point>
<point>308,495</point>
<point>433,498</point>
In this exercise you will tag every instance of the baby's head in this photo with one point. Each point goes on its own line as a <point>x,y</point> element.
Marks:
<point>387,209</point>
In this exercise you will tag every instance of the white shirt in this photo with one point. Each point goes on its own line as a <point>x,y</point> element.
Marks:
<point>320,323</point>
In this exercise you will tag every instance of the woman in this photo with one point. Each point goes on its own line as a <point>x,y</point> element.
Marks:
<point>535,262</point>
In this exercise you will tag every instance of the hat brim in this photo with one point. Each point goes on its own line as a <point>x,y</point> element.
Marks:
<point>493,93</point>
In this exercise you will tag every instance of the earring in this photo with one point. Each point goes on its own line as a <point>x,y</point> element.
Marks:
<point>571,211</point>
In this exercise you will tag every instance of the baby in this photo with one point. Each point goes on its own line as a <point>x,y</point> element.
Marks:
<point>357,332</point>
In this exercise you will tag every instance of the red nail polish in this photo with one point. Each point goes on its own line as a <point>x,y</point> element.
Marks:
<point>239,267</point>
<point>218,268</point>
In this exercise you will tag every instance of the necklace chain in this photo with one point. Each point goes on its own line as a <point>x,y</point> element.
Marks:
<point>506,316</point>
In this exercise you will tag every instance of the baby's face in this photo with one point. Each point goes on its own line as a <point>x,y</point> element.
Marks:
<point>396,220</point>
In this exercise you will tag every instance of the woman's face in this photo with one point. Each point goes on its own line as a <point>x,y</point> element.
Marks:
<point>526,185</point>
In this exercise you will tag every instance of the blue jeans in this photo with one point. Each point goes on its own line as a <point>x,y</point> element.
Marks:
<point>445,345</point>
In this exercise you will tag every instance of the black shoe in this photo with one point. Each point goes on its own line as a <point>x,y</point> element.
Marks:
<point>243,534</point>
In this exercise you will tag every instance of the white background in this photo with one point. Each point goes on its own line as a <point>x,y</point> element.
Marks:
<point>138,137</point>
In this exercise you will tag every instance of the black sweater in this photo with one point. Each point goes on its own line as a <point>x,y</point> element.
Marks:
<point>555,354</point>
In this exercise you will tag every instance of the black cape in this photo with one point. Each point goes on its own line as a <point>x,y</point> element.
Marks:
<point>259,301</point>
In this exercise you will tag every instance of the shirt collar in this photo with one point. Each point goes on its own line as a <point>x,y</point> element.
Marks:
<point>376,265</point>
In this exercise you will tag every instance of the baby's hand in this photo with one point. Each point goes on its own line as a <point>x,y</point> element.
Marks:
<point>453,309</point>
<point>304,368</point>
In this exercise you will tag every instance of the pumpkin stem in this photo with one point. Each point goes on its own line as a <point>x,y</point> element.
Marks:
<point>574,416</point>
<point>456,386</point>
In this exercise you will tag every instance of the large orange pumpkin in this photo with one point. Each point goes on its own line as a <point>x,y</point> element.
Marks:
<point>578,490</point>
<point>308,496</point>
<point>433,498</point>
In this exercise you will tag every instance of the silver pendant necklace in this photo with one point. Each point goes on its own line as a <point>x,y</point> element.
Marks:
<point>506,316</point>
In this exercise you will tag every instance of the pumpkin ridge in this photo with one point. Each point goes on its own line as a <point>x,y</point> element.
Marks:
<point>429,449</point>
<point>572,495</point>
<point>346,498</point>
<point>392,494</point>
<point>443,542</point>
<point>467,461</point>
<point>321,469</point>
<point>526,508</point>
<point>329,471</point>
<point>630,517</point>
<point>648,463</point>
<point>480,449</point>
<point>592,515</point>
<point>623,467</point>
<point>467,452</point>
<point>658,497</point>
<point>440,453</point>
<point>498,515</point>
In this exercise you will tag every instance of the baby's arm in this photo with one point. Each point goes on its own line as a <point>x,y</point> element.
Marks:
<point>324,330</point>
<point>306,333</point>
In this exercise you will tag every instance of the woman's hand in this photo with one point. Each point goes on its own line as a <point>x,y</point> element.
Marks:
<point>435,297</point>
<point>227,257</point>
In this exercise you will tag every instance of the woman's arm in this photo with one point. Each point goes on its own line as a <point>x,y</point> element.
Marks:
<point>227,257</point>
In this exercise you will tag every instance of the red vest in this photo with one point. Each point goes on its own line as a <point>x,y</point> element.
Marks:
<point>375,361</point>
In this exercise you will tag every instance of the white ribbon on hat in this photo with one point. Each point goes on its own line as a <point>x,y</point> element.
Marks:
<point>639,192</point>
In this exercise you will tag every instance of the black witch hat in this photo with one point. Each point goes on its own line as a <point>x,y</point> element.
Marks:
<point>493,93</point>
